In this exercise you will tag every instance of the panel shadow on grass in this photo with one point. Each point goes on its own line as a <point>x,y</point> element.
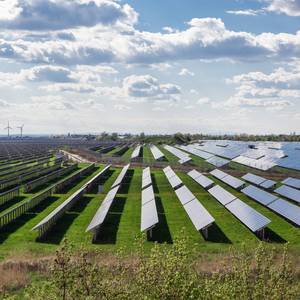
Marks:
<point>161,232</point>
<point>272,237</point>
<point>107,234</point>
<point>57,232</point>
<point>23,219</point>
<point>216,235</point>
<point>11,202</point>
<point>126,182</point>
<point>68,187</point>
<point>154,184</point>
<point>101,181</point>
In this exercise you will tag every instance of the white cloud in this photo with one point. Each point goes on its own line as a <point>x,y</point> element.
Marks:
<point>40,15</point>
<point>204,100</point>
<point>288,7</point>
<point>246,12</point>
<point>272,91</point>
<point>146,86</point>
<point>186,72</point>
<point>205,39</point>
<point>4,104</point>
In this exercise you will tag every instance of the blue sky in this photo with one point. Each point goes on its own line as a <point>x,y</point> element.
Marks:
<point>154,66</point>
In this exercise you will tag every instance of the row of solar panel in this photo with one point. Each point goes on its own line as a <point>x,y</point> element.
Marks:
<point>149,215</point>
<point>252,219</point>
<point>103,210</point>
<point>181,155</point>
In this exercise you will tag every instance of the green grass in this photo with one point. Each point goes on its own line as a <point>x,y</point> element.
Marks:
<point>147,155</point>
<point>123,222</point>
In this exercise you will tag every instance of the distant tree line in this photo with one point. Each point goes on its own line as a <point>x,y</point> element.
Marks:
<point>182,138</point>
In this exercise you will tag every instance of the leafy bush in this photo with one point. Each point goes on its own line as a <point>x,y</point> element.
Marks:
<point>168,273</point>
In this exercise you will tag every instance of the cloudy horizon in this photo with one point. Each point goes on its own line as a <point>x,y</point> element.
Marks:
<point>150,66</point>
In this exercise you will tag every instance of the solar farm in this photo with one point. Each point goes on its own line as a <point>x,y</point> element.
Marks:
<point>224,194</point>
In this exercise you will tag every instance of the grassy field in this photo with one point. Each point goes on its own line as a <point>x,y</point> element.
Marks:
<point>123,222</point>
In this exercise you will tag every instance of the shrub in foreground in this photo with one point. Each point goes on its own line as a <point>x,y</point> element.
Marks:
<point>167,273</point>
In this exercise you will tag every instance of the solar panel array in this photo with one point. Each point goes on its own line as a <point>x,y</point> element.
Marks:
<point>289,192</point>
<point>149,215</point>
<point>136,152</point>
<point>197,213</point>
<point>183,156</point>
<point>103,210</point>
<point>260,181</point>
<point>280,206</point>
<point>259,155</point>
<point>251,218</point>
<point>204,181</point>
<point>228,179</point>
<point>293,182</point>
<point>173,179</point>
<point>157,154</point>
<point>45,225</point>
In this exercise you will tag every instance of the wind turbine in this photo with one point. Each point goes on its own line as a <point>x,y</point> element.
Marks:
<point>21,129</point>
<point>8,129</point>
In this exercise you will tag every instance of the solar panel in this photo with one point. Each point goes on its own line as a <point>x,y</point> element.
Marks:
<point>194,174</point>
<point>51,218</point>
<point>147,195</point>
<point>175,181</point>
<point>136,152</point>
<point>149,216</point>
<point>157,154</point>
<point>289,192</point>
<point>233,182</point>
<point>184,160</point>
<point>254,220</point>
<point>293,182</point>
<point>169,172</point>
<point>146,182</point>
<point>221,195</point>
<point>218,173</point>
<point>258,180</point>
<point>254,178</point>
<point>102,211</point>
<point>183,156</point>
<point>199,216</point>
<point>204,181</point>
<point>121,176</point>
<point>287,210</point>
<point>218,161</point>
<point>184,195</point>
<point>259,195</point>
<point>146,172</point>
<point>268,184</point>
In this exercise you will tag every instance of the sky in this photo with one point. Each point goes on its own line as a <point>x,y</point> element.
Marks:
<point>196,66</point>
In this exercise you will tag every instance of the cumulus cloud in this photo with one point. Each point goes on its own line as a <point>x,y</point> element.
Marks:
<point>288,7</point>
<point>82,79</point>
<point>276,90</point>
<point>205,39</point>
<point>146,86</point>
<point>186,72</point>
<point>61,14</point>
